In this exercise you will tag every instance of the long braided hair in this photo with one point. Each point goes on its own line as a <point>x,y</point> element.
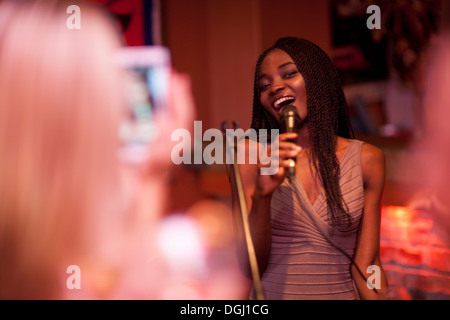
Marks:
<point>327,114</point>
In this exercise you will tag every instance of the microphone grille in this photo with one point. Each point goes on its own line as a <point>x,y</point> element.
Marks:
<point>289,111</point>
<point>289,119</point>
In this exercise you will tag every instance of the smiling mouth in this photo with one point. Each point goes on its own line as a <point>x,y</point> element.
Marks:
<point>280,103</point>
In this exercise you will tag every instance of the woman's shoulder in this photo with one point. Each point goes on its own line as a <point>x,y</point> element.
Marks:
<point>367,150</point>
<point>370,152</point>
<point>373,162</point>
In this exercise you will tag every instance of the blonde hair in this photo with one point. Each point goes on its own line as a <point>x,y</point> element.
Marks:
<point>60,105</point>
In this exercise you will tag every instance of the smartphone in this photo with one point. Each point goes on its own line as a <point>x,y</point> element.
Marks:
<point>147,72</point>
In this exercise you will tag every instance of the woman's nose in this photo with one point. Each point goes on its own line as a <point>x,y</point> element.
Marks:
<point>277,87</point>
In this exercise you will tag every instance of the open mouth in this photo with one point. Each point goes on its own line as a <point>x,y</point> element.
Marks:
<point>281,102</point>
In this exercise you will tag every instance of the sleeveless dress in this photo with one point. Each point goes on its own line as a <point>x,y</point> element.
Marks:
<point>303,264</point>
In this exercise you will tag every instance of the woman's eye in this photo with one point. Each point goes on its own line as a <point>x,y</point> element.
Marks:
<point>290,74</point>
<point>263,86</point>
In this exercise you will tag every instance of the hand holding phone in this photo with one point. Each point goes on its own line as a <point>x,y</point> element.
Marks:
<point>147,71</point>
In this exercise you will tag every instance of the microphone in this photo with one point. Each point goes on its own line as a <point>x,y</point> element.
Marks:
<point>290,122</point>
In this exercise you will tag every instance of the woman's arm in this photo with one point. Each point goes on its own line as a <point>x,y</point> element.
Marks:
<point>367,251</point>
<point>258,191</point>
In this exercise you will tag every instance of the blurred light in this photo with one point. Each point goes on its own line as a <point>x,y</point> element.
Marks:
<point>180,243</point>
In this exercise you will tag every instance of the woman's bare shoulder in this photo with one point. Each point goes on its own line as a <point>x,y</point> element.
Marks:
<point>373,164</point>
<point>371,153</point>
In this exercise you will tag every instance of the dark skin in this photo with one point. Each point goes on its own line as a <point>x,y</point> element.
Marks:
<point>280,81</point>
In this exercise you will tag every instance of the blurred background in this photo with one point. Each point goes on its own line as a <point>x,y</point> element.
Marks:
<point>217,42</point>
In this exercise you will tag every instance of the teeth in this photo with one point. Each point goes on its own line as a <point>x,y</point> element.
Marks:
<point>281,100</point>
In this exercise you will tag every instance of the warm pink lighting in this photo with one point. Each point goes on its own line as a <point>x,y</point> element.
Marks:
<point>416,263</point>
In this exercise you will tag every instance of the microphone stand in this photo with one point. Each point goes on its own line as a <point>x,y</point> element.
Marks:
<point>243,210</point>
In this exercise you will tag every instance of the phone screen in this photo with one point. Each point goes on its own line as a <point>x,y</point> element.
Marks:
<point>146,90</point>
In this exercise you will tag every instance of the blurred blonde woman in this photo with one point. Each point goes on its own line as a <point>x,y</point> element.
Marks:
<point>59,112</point>
<point>65,196</point>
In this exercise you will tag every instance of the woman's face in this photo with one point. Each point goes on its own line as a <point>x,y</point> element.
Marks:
<point>281,84</point>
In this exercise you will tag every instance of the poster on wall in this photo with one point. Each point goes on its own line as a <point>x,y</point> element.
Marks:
<point>396,45</point>
<point>138,20</point>
<point>359,53</point>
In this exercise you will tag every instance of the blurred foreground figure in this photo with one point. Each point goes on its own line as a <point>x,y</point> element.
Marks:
<point>416,251</point>
<point>66,197</point>
<point>437,137</point>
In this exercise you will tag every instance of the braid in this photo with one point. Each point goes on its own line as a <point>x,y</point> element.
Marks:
<point>327,113</point>
<point>261,118</point>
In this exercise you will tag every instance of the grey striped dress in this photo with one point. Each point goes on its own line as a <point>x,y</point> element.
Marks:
<point>303,264</point>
